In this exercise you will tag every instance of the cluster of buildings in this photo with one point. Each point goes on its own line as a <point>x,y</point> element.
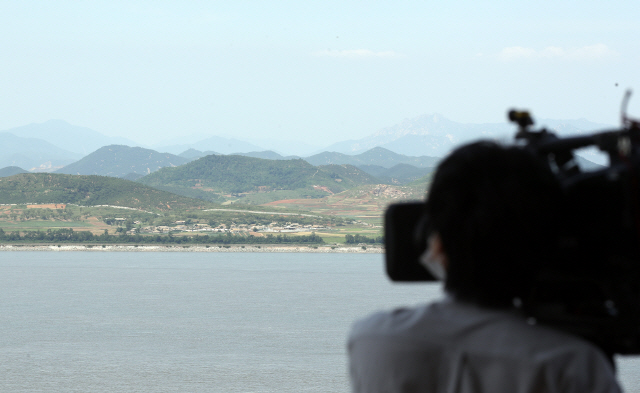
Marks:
<point>274,227</point>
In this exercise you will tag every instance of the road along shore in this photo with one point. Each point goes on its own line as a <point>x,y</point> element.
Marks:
<point>194,248</point>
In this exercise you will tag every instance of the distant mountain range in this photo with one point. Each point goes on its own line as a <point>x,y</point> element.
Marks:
<point>214,178</point>
<point>133,163</point>
<point>376,156</point>
<point>430,135</point>
<point>398,155</point>
<point>286,148</point>
<point>214,143</point>
<point>120,161</point>
<point>193,154</point>
<point>435,135</point>
<point>48,146</point>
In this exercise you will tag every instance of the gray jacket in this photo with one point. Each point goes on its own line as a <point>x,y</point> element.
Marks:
<point>452,347</point>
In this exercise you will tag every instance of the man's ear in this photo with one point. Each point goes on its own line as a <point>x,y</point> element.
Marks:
<point>436,249</point>
<point>434,259</point>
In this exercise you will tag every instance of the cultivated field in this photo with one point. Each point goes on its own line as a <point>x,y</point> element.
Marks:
<point>366,203</point>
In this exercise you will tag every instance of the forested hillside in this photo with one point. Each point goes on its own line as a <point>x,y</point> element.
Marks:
<point>88,191</point>
<point>398,174</point>
<point>241,174</point>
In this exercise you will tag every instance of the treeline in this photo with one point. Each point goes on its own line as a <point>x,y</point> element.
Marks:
<point>71,236</point>
<point>357,239</point>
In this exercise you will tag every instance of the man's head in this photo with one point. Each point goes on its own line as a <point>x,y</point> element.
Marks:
<point>495,210</point>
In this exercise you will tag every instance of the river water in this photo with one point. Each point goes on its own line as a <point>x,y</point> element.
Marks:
<point>191,322</point>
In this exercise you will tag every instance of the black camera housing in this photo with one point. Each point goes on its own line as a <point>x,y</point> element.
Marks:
<point>405,229</point>
<point>594,289</point>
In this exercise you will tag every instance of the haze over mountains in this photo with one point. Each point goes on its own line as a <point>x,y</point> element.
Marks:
<point>76,139</point>
<point>214,143</point>
<point>49,146</point>
<point>230,145</point>
<point>32,153</point>
<point>375,156</point>
<point>435,135</point>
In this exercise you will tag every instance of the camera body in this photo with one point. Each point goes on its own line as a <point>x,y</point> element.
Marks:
<point>593,290</point>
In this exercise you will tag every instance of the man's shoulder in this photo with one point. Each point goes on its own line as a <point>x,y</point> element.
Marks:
<point>468,326</point>
<point>390,322</point>
<point>443,343</point>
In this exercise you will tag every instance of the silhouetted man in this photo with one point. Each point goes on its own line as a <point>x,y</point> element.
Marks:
<point>492,215</point>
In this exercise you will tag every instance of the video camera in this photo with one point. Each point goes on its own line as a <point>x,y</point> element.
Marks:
<point>594,291</point>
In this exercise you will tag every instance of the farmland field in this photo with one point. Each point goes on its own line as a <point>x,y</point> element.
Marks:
<point>366,203</point>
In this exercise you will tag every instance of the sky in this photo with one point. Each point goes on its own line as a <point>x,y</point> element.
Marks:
<point>317,71</point>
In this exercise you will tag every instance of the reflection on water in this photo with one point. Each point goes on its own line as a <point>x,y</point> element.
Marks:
<point>140,322</point>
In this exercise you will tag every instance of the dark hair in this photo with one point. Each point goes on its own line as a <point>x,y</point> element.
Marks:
<point>496,209</point>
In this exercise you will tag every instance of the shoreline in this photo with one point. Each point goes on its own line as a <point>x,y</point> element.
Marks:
<point>233,248</point>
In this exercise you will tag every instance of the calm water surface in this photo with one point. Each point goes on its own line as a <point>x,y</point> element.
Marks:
<point>191,322</point>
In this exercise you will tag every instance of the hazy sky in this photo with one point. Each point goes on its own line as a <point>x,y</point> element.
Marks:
<point>321,71</point>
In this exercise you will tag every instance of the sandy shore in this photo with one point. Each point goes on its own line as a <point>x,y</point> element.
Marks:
<point>176,248</point>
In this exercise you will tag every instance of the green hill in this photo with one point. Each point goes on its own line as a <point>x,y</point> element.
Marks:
<point>120,161</point>
<point>88,191</point>
<point>348,176</point>
<point>219,174</point>
<point>11,170</point>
